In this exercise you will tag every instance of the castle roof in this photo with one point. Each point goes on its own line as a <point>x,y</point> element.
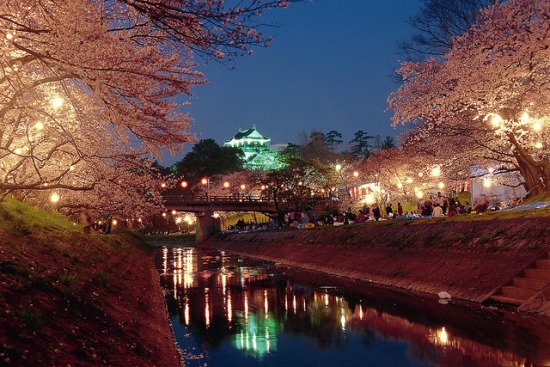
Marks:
<point>251,133</point>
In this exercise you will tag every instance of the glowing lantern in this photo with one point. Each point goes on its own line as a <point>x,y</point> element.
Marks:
<point>524,117</point>
<point>496,120</point>
<point>443,337</point>
<point>56,103</point>
<point>370,199</point>
<point>54,198</point>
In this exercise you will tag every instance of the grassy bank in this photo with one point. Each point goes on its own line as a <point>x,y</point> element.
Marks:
<point>75,299</point>
<point>467,256</point>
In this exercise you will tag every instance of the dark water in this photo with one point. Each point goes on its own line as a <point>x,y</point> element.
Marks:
<point>233,311</point>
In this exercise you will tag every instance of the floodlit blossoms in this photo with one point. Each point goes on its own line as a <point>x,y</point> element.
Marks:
<point>486,101</point>
<point>87,89</point>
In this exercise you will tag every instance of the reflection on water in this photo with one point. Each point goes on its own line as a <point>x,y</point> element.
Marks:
<point>232,311</point>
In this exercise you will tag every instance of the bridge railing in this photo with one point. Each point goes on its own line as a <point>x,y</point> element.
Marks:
<point>214,199</point>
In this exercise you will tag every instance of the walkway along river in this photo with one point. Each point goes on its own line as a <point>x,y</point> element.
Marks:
<point>229,310</point>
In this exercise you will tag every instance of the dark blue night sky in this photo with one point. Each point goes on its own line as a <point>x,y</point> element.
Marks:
<point>329,68</point>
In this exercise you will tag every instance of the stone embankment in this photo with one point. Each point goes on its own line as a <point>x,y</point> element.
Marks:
<point>467,259</point>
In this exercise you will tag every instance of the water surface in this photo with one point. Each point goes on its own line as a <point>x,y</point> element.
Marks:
<point>234,311</point>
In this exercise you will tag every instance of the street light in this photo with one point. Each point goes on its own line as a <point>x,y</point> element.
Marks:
<point>206,182</point>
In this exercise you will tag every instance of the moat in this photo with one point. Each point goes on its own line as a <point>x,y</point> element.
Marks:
<point>229,310</point>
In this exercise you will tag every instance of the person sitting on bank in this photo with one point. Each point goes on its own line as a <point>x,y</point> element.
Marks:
<point>86,220</point>
<point>438,211</point>
<point>389,210</point>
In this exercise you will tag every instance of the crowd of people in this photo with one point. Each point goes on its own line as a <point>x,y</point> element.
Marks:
<point>434,207</point>
<point>437,206</point>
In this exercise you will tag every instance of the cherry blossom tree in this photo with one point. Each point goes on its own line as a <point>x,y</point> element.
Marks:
<point>486,101</point>
<point>294,186</point>
<point>88,87</point>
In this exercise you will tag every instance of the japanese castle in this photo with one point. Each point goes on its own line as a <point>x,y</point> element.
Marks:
<point>256,149</point>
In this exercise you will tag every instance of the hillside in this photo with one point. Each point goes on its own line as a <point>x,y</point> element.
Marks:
<point>74,299</point>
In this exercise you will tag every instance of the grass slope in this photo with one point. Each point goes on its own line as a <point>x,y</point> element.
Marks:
<point>74,299</point>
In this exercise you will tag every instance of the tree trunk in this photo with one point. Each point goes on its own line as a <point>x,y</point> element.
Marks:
<point>535,174</point>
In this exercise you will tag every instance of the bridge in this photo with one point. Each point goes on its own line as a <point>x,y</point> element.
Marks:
<point>204,207</point>
<point>201,203</point>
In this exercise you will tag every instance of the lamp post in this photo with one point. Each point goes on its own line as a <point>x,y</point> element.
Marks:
<point>206,182</point>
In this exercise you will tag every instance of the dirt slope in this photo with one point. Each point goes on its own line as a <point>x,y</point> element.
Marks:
<point>81,300</point>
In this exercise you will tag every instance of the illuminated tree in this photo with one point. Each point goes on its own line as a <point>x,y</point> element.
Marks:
<point>487,100</point>
<point>242,184</point>
<point>294,186</point>
<point>88,87</point>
